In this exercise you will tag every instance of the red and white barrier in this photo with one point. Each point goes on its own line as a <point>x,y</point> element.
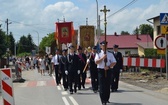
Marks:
<point>144,62</point>
<point>19,70</point>
<point>7,86</point>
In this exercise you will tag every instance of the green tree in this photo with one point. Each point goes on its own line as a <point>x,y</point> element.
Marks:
<point>22,44</point>
<point>125,33</point>
<point>136,31</point>
<point>47,41</point>
<point>11,42</point>
<point>2,43</point>
<point>146,29</point>
<point>25,44</point>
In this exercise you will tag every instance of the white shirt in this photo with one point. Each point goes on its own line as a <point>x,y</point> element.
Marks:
<point>55,60</point>
<point>110,59</point>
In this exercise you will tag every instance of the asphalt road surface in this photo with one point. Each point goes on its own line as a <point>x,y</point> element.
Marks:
<point>42,90</point>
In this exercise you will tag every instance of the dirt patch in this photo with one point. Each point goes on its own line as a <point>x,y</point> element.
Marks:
<point>150,81</point>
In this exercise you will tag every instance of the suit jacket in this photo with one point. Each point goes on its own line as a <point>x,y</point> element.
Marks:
<point>63,63</point>
<point>73,62</point>
<point>82,61</point>
<point>92,64</point>
<point>119,59</point>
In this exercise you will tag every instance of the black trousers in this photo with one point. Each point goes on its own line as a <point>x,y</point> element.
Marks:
<point>104,84</point>
<point>72,79</point>
<point>115,79</point>
<point>65,80</point>
<point>81,79</point>
<point>57,74</point>
<point>94,78</point>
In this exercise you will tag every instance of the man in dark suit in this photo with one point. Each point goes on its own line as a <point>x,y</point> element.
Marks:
<point>73,70</point>
<point>116,69</point>
<point>93,69</point>
<point>82,63</point>
<point>63,67</point>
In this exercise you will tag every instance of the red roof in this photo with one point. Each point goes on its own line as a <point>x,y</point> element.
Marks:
<point>125,41</point>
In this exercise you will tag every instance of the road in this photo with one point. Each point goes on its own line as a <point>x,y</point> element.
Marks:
<point>42,90</point>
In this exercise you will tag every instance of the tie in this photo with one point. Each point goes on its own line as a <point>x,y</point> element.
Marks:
<point>57,58</point>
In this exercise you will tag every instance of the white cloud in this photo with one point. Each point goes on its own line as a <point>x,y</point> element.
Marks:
<point>129,19</point>
<point>42,17</point>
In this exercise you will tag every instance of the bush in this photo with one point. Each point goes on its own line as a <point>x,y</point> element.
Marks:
<point>24,54</point>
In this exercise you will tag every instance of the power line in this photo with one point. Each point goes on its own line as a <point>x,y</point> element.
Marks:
<point>123,8</point>
<point>34,26</point>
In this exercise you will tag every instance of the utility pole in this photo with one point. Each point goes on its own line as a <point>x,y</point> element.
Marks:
<point>105,10</point>
<point>7,23</point>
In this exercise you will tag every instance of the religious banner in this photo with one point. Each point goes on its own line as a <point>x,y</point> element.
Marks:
<point>87,34</point>
<point>64,32</point>
<point>75,39</point>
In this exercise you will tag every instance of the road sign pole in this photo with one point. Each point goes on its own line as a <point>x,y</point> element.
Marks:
<point>166,58</point>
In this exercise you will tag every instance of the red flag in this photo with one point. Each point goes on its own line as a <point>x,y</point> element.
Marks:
<point>64,32</point>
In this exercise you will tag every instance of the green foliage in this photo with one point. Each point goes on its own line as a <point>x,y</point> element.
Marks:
<point>2,43</point>
<point>125,33</point>
<point>136,31</point>
<point>150,53</point>
<point>144,29</point>
<point>11,42</point>
<point>24,54</point>
<point>46,41</point>
<point>26,44</point>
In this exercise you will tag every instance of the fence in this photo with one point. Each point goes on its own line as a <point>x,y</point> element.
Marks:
<point>143,62</point>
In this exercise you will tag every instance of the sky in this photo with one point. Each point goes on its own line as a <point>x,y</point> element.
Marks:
<point>38,17</point>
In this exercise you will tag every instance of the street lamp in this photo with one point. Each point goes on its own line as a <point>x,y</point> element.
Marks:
<point>38,39</point>
<point>98,22</point>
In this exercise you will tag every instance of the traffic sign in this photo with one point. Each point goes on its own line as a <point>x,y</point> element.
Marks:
<point>48,50</point>
<point>162,52</point>
<point>164,29</point>
<point>164,18</point>
<point>160,42</point>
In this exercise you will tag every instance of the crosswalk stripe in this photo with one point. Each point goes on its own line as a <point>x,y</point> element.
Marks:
<point>23,84</point>
<point>58,87</point>
<point>64,93</point>
<point>65,101</point>
<point>41,83</point>
<point>73,100</point>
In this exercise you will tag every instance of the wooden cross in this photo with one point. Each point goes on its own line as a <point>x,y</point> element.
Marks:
<point>105,10</point>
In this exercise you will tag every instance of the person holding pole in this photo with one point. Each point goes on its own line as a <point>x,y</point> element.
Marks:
<point>104,72</point>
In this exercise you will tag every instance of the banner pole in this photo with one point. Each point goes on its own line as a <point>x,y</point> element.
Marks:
<point>166,58</point>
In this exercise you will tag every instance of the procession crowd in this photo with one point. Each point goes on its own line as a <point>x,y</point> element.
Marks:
<point>71,66</point>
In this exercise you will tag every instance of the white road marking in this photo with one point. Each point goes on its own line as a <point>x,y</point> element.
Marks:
<point>73,100</point>
<point>65,101</point>
<point>58,87</point>
<point>64,93</point>
<point>23,84</point>
<point>41,83</point>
